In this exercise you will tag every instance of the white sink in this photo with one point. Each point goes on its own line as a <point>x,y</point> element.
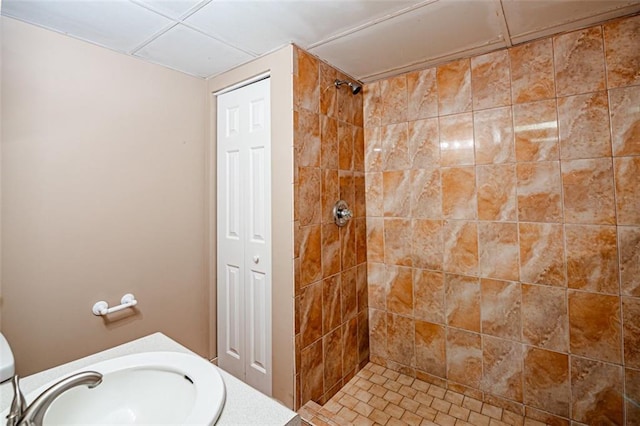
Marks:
<point>146,388</point>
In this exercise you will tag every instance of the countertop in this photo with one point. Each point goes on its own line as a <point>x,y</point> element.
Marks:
<point>243,406</point>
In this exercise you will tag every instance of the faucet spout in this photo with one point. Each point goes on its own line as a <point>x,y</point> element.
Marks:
<point>34,413</point>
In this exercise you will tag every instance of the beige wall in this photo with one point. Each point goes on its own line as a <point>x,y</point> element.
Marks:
<point>280,66</point>
<point>103,184</point>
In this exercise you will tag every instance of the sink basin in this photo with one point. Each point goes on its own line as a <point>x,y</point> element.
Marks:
<point>146,388</point>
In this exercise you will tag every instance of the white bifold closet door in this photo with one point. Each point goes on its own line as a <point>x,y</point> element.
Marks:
<point>244,234</point>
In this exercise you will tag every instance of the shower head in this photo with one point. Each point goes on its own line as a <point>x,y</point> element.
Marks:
<point>355,87</point>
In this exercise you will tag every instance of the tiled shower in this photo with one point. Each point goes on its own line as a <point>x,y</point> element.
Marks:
<point>501,252</point>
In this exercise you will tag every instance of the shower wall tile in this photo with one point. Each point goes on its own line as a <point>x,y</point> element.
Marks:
<point>459,193</point>
<point>545,322</point>
<point>424,143</point>
<point>625,120</point>
<point>631,331</point>
<point>588,191</point>
<point>629,249</point>
<point>502,368</point>
<point>621,40</point>
<point>423,94</point>
<point>456,139</point>
<point>583,121</point>
<point>464,357</point>
<point>510,183</point>
<point>454,87</point>
<point>498,250</point>
<point>427,244</point>
<point>490,80</point>
<point>393,97</point>
<point>460,247</point>
<point>426,193</point>
<point>542,259</point>
<point>627,178</point>
<point>579,62</point>
<point>493,134</point>
<point>536,131</point>
<point>547,383</point>
<point>588,269</point>
<point>462,301</point>
<point>428,302</point>
<point>595,330</point>
<point>496,192</point>
<point>597,392</point>
<point>331,304</point>
<point>532,75</point>
<point>501,309</point>
<point>430,348</point>
<point>539,189</point>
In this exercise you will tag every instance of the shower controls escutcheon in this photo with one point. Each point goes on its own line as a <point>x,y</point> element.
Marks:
<point>341,213</point>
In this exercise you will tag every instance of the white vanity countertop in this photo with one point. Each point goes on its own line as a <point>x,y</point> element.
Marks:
<point>243,406</point>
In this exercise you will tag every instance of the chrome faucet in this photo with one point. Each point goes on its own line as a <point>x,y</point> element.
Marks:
<point>33,415</point>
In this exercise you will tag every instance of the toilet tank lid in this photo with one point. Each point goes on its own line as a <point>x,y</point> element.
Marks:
<point>7,366</point>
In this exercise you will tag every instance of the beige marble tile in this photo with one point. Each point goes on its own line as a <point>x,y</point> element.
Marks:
<point>330,249</point>
<point>579,61</point>
<point>621,41</point>
<point>330,193</point>
<point>632,392</point>
<point>328,93</point>
<point>545,318</point>
<point>332,348</point>
<point>400,339</point>
<point>378,333</point>
<point>459,193</point>
<point>307,138</point>
<point>427,244</point>
<point>494,137</point>
<point>377,285</point>
<point>460,247</point>
<point>372,104</point>
<point>496,192</point>
<point>345,146</point>
<point>627,178</point>
<point>374,195</point>
<point>588,191</point>
<point>423,94</point>
<point>375,239</point>
<point>393,96</point>
<point>536,131</point>
<point>426,193</point>
<point>597,392</point>
<point>532,75</point>
<point>349,294</point>
<point>312,372</point>
<point>542,257</point>
<point>631,331</point>
<point>454,87</point>
<point>424,143</point>
<point>456,139</point>
<point>329,149</point>
<point>311,313</point>
<point>373,157</point>
<point>306,82</point>
<point>428,287</point>
<point>396,234</point>
<point>629,249</point>
<point>502,368</point>
<point>310,254</point>
<point>399,290</point>
<point>583,121</point>
<point>501,309</point>
<point>625,120</point>
<point>331,303</point>
<point>462,302</point>
<point>464,357</point>
<point>397,188</point>
<point>498,250</point>
<point>592,258</point>
<point>547,382</point>
<point>491,80</point>
<point>395,147</point>
<point>595,326</point>
<point>430,348</point>
<point>539,189</point>
<point>309,196</point>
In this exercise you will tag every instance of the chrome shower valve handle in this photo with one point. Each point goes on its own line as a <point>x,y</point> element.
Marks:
<point>341,213</point>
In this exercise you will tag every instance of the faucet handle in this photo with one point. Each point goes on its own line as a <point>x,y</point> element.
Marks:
<point>18,405</point>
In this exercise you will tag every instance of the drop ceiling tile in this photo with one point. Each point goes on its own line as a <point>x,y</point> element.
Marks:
<point>172,8</point>
<point>528,20</point>
<point>118,25</point>
<point>187,50</point>
<point>437,30</point>
<point>262,26</point>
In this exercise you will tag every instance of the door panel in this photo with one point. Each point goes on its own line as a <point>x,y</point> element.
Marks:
<point>244,234</point>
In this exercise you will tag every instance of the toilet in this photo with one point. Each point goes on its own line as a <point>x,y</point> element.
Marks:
<point>7,365</point>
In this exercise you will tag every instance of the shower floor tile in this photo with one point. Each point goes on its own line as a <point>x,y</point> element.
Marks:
<point>379,396</point>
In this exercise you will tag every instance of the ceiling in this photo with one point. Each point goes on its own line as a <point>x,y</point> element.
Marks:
<point>368,39</point>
